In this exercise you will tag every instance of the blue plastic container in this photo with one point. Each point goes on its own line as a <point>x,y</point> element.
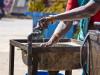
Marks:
<point>49,31</point>
<point>44,73</point>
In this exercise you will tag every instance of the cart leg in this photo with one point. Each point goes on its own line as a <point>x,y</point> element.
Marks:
<point>32,69</point>
<point>35,65</point>
<point>11,60</point>
<point>53,72</point>
<point>68,72</point>
<point>32,58</point>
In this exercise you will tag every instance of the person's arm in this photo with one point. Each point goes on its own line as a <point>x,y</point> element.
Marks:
<point>61,29</point>
<point>80,12</point>
<point>63,26</point>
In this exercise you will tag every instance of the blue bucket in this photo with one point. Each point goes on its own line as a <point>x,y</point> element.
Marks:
<point>44,73</point>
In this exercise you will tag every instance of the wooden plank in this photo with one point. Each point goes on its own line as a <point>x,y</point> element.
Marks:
<point>48,49</point>
<point>40,40</point>
<point>95,53</point>
<point>18,44</point>
<point>55,49</point>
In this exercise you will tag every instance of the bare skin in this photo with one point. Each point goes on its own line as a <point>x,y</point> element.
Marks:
<point>88,10</point>
<point>61,29</point>
<point>78,13</point>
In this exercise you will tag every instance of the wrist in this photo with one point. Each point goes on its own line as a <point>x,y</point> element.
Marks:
<point>51,19</point>
<point>54,39</point>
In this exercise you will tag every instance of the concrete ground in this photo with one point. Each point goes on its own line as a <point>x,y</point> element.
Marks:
<point>15,29</point>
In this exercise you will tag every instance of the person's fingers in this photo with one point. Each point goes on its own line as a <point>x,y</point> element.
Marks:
<point>43,24</point>
<point>46,44</point>
<point>42,45</point>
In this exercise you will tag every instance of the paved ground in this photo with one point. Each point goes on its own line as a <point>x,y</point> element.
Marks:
<point>12,29</point>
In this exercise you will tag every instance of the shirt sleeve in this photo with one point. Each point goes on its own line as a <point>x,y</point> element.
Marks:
<point>71,4</point>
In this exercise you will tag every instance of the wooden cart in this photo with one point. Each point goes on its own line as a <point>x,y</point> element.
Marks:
<point>65,55</point>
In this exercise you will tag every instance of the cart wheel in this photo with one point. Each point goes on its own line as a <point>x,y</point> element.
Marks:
<point>84,53</point>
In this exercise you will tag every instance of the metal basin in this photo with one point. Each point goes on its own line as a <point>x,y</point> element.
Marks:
<point>61,56</point>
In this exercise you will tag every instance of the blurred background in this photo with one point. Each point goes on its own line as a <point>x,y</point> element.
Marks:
<point>47,6</point>
<point>35,9</point>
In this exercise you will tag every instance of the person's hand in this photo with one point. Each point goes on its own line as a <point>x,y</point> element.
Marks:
<point>45,21</point>
<point>47,44</point>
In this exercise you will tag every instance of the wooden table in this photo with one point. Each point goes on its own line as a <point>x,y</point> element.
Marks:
<point>59,57</point>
